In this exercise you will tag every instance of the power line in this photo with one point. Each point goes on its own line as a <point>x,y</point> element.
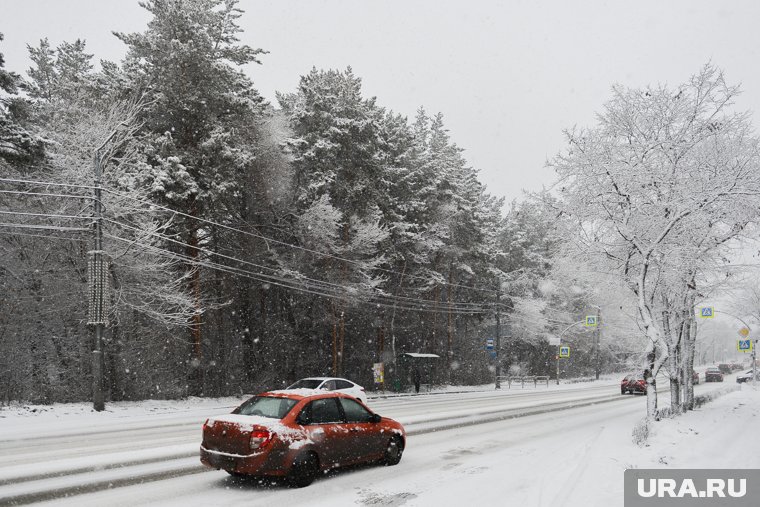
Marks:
<point>47,183</point>
<point>45,215</point>
<point>324,285</point>
<point>284,282</point>
<point>230,228</point>
<point>248,233</point>
<point>8,233</point>
<point>45,227</point>
<point>289,245</point>
<point>44,194</point>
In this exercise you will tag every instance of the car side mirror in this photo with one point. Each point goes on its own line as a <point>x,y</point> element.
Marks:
<point>375,418</point>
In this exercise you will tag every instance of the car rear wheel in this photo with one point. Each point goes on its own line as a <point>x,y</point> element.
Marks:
<point>393,451</point>
<point>622,391</point>
<point>304,471</point>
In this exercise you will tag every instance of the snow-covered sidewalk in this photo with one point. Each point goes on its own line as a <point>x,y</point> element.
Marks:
<point>720,434</point>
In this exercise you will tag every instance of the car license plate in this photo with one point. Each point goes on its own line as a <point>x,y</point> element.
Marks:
<point>224,462</point>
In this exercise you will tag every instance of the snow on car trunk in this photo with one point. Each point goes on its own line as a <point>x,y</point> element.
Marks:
<point>243,434</point>
<point>232,433</point>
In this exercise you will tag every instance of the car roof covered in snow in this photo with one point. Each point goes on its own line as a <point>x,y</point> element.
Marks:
<point>301,393</point>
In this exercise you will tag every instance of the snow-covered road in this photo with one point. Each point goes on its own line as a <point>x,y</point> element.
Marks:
<point>153,460</point>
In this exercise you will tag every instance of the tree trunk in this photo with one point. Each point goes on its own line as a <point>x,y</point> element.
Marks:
<point>450,327</point>
<point>393,315</point>
<point>342,337</point>
<point>651,384</point>
<point>334,342</point>
<point>195,384</point>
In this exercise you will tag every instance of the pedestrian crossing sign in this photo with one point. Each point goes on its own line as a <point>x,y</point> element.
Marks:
<point>591,321</point>
<point>707,312</point>
<point>564,351</point>
<point>744,345</point>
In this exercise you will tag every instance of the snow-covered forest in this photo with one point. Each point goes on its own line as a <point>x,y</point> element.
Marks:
<point>255,243</point>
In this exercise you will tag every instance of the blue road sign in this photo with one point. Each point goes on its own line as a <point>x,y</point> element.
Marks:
<point>706,312</point>
<point>744,345</point>
<point>489,344</point>
<point>564,351</point>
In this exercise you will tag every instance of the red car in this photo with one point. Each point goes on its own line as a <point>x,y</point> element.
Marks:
<point>713,374</point>
<point>633,384</point>
<point>299,433</point>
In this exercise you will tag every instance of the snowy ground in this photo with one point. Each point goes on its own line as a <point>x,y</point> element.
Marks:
<point>575,456</point>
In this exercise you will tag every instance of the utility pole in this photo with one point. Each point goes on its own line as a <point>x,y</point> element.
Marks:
<point>98,278</point>
<point>498,338</point>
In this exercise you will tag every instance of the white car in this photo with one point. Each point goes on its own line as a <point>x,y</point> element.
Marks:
<point>340,385</point>
<point>747,376</point>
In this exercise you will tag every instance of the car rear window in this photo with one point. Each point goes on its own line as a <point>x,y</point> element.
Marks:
<point>266,406</point>
<point>343,384</point>
<point>306,383</point>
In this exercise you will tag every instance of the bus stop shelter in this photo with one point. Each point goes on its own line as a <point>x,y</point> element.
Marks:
<point>417,367</point>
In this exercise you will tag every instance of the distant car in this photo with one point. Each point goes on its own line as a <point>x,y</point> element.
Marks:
<point>336,384</point>
<point>736,366</point>
<point>747,376</point>
<point>713,374</point>
<point>694,377</point>
<point>633,384</point>
<point>725,368</point>
<point>297,435</point>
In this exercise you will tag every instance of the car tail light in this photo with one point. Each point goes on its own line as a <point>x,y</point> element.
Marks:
<point>205,425</point>
<point>260,439</point>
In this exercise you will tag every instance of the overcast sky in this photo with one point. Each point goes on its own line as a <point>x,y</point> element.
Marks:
<point>508,76</point>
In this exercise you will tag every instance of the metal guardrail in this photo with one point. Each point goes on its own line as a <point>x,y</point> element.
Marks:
<point>522,379</point>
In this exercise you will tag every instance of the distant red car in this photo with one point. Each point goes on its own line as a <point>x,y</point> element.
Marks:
<point>633,384</point>
<point>297,433</point>
<point>713,374</point>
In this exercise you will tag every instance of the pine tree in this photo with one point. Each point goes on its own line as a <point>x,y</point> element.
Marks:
<point>17,144</point>
<point>200,121</point>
